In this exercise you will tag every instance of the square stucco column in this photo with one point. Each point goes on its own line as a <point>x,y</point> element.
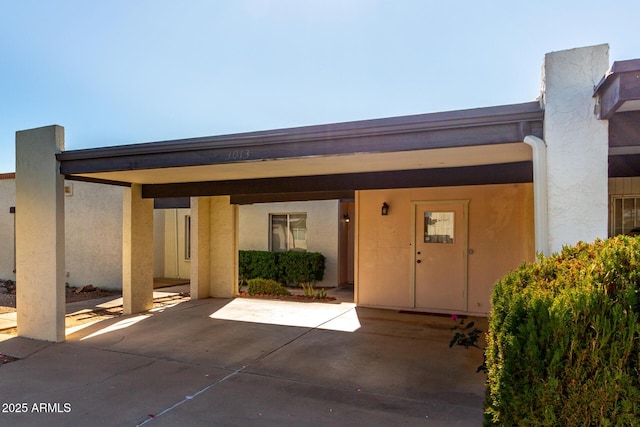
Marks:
<point>577,146</point>
<point>137,251</point>
<point>214,252</point>
<point>199,248</point>
<point>40,234</point>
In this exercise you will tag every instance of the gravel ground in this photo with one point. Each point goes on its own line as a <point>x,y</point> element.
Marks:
<point>8,301</point>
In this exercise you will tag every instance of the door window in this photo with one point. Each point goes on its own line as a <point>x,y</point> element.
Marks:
<point>438,227</point>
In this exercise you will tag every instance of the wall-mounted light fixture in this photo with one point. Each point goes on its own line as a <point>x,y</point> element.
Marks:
<point>346,218</point>
<point>385,209</point>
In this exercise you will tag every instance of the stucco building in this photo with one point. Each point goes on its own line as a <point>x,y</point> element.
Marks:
<point>93,234</point>
<point>443,204</point>
<point>93,237</point>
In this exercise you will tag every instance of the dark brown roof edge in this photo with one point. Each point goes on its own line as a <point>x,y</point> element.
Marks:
<point>530,111</point>
<point>619,85</point>
<point>617,67</point>
<point>10,175</point>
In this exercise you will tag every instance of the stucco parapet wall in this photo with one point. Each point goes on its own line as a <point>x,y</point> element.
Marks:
<point>577,146</point>
<point>490,125</point>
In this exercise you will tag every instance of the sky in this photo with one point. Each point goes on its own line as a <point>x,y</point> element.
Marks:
<point>122,72</point>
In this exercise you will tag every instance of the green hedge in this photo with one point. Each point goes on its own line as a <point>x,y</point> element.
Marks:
<point>564,339</point>
<point>290,268</point>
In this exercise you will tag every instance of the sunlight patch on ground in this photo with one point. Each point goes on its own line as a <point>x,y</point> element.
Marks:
<point>118,325</point>
<point>164,307</point>
<point>117,302</point>
<point>6,337</point>
<point>8,320</point>
<point>348,322</point>
<point>74,329</point>
<point>339,317</point>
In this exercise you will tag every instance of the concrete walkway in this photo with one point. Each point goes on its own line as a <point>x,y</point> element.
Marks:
<point>246,362</point>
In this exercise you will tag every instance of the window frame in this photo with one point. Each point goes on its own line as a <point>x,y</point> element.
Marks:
<point>613,213</point>
<point>291,234</point>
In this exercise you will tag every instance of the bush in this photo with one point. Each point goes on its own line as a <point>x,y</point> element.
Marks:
<point>564,339</point>
<point>265,287</point>
<point>255,264</point>
<point>297,268</point>
<point>291,268</point>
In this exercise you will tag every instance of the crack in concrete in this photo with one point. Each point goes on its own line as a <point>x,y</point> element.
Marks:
<point>190,397</point>
<point>238,371</point>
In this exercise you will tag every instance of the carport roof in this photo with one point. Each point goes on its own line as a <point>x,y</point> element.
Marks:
<point>197,166</point>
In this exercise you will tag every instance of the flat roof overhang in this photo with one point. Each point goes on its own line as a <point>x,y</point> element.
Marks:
<point>618,100</point>
<point>324,161</point>
<point>619,89</point>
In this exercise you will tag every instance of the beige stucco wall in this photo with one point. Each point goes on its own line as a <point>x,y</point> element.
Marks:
<point>501,235</point>
<point>93,236</point>
<point>93,233</point>
<point>322,230</point>
<point>7,253</point>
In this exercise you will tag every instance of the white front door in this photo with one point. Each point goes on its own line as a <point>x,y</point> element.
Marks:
<point>441,256</point>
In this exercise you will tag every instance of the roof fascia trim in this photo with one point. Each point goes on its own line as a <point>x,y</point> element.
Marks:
<point>530,111</point>
<point>619,84</point>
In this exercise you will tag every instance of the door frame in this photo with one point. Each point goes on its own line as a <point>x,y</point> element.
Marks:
<point>465,252</point>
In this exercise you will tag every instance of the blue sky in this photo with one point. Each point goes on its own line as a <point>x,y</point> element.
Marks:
<point>122,72</point>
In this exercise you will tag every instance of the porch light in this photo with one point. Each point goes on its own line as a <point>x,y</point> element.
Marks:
<point>346,218</point>
<point>385,209</point>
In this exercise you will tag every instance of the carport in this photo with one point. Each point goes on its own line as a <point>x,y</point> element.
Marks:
<point>484,146</point>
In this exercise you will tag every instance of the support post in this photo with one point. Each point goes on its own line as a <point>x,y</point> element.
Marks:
<point>199,248</point>
<point>223,247</point>
<point>40,234</point>
<point>137,251</point>
<point>214,251</point>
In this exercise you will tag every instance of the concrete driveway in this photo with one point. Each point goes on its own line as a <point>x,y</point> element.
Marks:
<point>246,362</point>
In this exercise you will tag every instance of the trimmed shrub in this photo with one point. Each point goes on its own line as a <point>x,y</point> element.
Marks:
<point>291,268</point>
<point>254,264</point>
<point>265,287</point>
<point>564,339</point>
<point>301,267</point>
